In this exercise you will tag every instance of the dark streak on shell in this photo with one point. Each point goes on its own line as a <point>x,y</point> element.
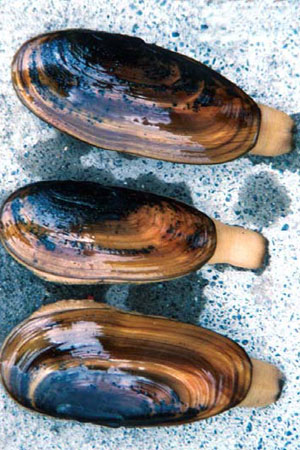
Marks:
<point>93,363</point>
<point>120,93</point>
<point>82,232</point>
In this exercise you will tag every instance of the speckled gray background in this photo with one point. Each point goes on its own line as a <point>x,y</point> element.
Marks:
<point>256,44</point>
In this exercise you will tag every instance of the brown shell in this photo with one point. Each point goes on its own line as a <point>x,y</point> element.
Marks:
<point>120,93</point>
<point>89,362</point>
<point>81,233</point>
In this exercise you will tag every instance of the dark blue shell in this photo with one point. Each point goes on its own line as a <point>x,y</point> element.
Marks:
<point>86,361</point>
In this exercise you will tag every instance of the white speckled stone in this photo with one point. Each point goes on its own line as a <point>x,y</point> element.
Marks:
<point>255,44</point>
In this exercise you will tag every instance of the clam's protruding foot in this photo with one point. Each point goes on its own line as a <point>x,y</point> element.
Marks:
<point>276,133</point>
<point>266,386</point>
<point>238,247</point>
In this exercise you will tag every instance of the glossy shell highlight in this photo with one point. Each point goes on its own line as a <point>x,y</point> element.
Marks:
<point>120,93</point>
<point>89,362</point>
<point>82,232</point>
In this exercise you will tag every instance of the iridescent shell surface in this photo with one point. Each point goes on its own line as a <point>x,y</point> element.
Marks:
<point>81,233</point>
<point>120,93</point>
<point>87,361</point>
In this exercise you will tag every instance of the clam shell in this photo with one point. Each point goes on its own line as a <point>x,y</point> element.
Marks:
<point>87,361</point>
<point>120,93</point>
<point>81,233</point>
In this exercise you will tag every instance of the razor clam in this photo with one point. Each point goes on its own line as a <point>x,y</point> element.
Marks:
<point>82,233</point>
<point>90,362</point>
<point>120,93</point>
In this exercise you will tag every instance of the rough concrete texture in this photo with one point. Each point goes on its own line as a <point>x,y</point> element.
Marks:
<point>255,44</point>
